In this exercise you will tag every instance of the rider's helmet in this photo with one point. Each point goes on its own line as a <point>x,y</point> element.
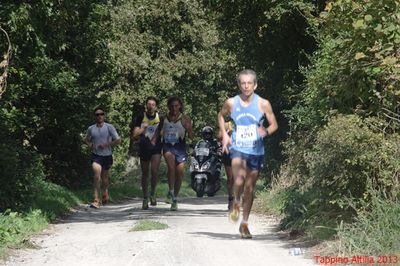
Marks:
<point>208,133</point>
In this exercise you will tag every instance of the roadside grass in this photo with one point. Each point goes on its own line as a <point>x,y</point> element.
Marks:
<point>298,214</point>
<point>374,231</point>
<point>16,228</point>
<point>145,225</point>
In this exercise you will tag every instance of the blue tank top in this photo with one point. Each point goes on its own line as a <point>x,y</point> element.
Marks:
<point>247,120</point>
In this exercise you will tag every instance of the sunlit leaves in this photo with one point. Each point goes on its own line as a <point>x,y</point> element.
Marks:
<point>358,56</point>
<point>163,48</point>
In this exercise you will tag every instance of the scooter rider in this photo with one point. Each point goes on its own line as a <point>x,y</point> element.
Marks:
<point>208,134</point>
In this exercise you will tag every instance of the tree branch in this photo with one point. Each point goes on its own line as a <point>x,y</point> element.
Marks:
<point>4,64</point>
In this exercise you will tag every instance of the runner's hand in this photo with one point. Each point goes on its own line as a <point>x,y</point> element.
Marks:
<point>262,131</point>
<point>103,146</point>
<point>226,142</point>
<point>187,124</point>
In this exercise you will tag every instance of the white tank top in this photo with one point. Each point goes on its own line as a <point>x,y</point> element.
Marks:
<point>173,132</point>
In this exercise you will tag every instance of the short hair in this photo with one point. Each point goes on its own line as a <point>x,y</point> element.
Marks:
<point>152,98</point>
<point>99,108</point>
<point>173,99</point>
<point>246,72</point>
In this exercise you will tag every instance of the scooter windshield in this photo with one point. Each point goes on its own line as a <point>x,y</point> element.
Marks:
<point>202,150</point>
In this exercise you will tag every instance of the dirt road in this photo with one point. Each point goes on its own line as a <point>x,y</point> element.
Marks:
<point>199,233</point>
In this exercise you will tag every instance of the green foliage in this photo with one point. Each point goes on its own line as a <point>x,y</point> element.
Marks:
<point>15,228</point>
<point>337,162</point>
<point>50,80</point>
<point>344,156</point>
<point>327,180</point>
<point>356,65</point>
<point>376,229</point>
<point>21,168</point>
<point>53,200</point>
<point>165,48</point>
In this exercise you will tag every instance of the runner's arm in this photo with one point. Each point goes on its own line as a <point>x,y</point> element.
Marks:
<point>115,142</point>
<point>225,110</point>
<point>136,128</point>
<point>157,133</point>
<point>187,124</point>
<point>88,140</point>
<point>137,131</point>
<point>269,114</point>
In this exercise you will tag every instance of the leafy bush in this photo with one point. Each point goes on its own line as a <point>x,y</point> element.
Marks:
<point>15,228</point>
<point>346,161</point>
<point>20,169</point>
<point>343,157</point>
<point>356,65</point>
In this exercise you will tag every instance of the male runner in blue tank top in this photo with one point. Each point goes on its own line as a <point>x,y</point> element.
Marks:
<point>246,145</point>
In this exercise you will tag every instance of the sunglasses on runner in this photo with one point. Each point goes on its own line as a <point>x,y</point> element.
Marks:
<point>99,114</point>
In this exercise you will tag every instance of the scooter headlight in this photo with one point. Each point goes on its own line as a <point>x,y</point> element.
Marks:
<point>194,165</point>
<point>205,166</point>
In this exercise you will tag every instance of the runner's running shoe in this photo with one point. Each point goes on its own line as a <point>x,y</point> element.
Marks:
<point>174,205</point>
<point>153,200</point>
<point>169,198</point>
<point>104,198</point>
<point>94,204</point>
<point>145,204</point>
<point>234,213</point>
<point>244,231</point>
<point>230,203</point>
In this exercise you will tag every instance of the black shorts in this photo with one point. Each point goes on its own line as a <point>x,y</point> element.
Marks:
<point>104,161</point>
<point>147,151</point>
<point>226,159</point>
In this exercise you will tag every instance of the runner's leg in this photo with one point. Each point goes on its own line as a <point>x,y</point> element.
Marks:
<point>144,165</point>
<point>239,173</point>
<point>155,165</point>
<point>96,180</point>
<point>170,160</point>
<point>248,192</point>
<point>105,182</point>
<point>179,175</point>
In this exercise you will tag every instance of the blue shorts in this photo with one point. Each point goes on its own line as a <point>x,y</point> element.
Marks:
<point>179,150</point>
<point>226,159</point>
<point>104,161</point>
<point>253,162</point>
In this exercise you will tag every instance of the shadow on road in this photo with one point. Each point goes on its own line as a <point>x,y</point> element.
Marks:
<point>235,236</point>
<point>131,210</point>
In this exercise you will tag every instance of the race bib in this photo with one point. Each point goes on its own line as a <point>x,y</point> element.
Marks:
<point>246,136</point>
<point>150,130</point>
<point>171,137</point>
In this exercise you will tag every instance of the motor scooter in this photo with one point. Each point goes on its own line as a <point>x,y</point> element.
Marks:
<point>205,169</point>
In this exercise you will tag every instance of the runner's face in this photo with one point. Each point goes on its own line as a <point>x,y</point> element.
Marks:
<point>174,108</point>
<point>99,115</point>
<point>247,84</point>
<point>151,106</point>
